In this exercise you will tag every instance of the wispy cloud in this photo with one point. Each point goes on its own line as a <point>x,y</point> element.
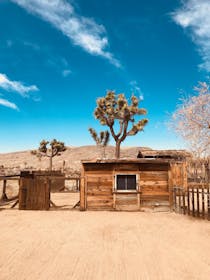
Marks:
<point>60,65</point>
<point>8,104</point>
<point>31,45</point>
<point>66,73</point>
<point>16,86</point>
<point>135,88</point>
<point>194,15</point>
<point>82,31</point>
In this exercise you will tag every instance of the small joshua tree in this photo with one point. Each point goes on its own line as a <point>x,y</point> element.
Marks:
<point>113,108</point>
<point>102,140</point>
<point>50,150</point>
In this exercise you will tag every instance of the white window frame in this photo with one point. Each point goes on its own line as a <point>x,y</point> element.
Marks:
<point>124,174</point>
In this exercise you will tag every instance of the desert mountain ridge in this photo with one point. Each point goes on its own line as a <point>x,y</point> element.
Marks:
<point>70,160</point>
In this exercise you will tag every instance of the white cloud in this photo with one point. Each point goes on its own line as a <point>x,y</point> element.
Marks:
<point>82,31</point>
<point>66,73</point>
<point>8,104</point>
<point>194,15</point>
<point>136,89</point>
<point>16,86</point>
<point>31,45</point>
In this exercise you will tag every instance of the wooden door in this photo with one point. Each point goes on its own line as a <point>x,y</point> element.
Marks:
<point>34,193</point>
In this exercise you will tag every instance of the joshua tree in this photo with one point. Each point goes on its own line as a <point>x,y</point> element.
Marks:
<point>113,108</point>
<point>50,150</point>
<point>102,140</point>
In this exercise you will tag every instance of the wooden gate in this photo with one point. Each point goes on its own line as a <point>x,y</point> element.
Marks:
<point>34,193</point>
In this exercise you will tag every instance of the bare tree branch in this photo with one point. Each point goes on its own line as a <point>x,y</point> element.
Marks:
<point>191,120</point>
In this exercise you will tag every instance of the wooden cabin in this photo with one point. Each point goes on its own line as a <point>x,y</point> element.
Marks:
<point>130,184</point>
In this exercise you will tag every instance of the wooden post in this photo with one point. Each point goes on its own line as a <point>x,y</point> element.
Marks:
<point>175,206</point>
<point>179,193</point>
<point>183,199</point>
<point>170,188</point>
<point>208,188</point>
<point>185,175</point>
<point>4,195</point>
<point>82,194</point>
<point>83,182</point>
<point>114,200</point>
<point>208,204</point>
<point>139,200</point>
<point>203,203</point>
<point>193,202</point>
<point>198,202</point>
<point>188,201</point>
<point>139,191</point>
<point>23,193</point>
<point>48,193</point>
<point>85,191</point>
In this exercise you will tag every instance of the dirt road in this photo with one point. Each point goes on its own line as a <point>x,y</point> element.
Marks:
<point>103,245</point>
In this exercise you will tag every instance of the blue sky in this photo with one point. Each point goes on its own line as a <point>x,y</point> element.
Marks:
<point>57,57</point>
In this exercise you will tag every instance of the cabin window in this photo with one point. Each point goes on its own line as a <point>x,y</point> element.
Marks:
<point>125,182</point>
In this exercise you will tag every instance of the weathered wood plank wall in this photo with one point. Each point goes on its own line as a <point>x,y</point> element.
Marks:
<point>99,192</point>
<point>154,185</point>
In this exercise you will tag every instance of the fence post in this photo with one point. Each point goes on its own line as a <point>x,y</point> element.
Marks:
<point>193,202</point>
<point>208,187</point>
<point>170,188</point>
<point>183,199</point>
<point>198,202</point>
<point>179,193</point>
<point>4,195</point>
<point>203,203</point>
<point>208,204</point>
<point>175,206</point>
<point>188,201</point>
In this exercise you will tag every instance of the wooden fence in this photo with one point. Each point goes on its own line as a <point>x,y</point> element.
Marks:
<point>35,189</point>
<point>35,192</point>
<point>4,180</point>
<point>194,201</point>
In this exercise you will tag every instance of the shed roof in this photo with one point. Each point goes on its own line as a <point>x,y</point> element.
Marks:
<point>126,160</point>
<point>170,154</point>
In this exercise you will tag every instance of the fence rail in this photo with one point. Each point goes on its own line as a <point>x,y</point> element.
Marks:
<point>194,201</point>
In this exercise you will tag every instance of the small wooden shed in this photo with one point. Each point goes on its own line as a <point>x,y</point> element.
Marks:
<point>130,184</point>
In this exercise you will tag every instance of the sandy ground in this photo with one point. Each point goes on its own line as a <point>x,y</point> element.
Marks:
<point>68,244</point>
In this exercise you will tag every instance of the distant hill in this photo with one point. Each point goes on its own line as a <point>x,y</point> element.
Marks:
<point>70,160</point>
